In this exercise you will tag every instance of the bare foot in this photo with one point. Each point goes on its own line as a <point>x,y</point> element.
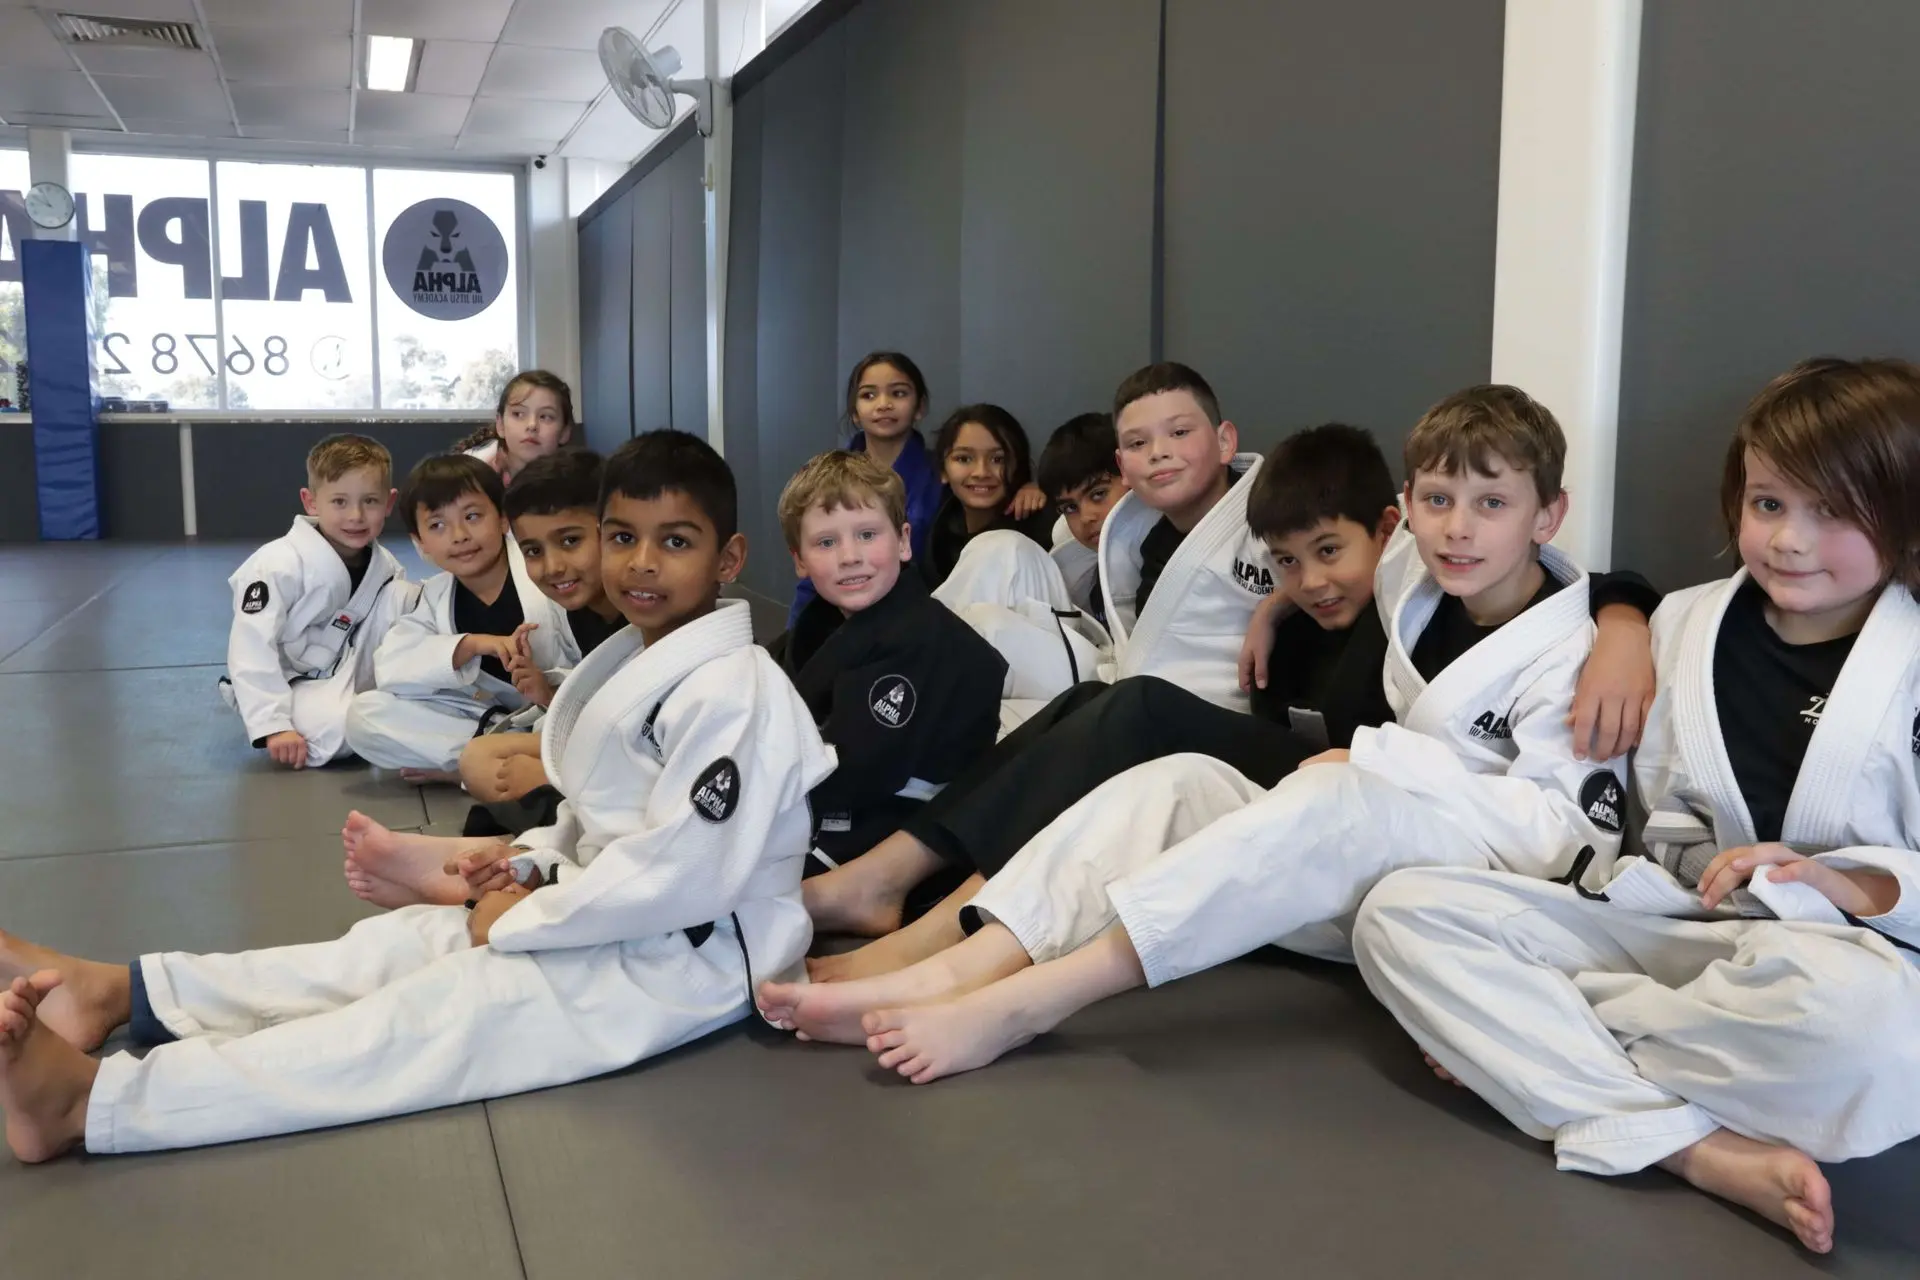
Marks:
<point>426,776</point>
<point>846,900</point>
<point>44,1081</point>
<point>896,951</point>
<point>91,1001</point>
<point>832,1012</point>
<point>1441,1071</point>
<point>937,1040</point>
<point>1780,1184</point>
<point>403,868</point>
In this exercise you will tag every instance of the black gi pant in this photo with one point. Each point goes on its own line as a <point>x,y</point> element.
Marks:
<point>1087,735</point>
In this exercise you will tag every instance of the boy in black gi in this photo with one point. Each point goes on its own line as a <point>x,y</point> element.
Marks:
<point>906,694</point>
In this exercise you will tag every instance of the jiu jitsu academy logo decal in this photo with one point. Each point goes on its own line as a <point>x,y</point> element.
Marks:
<point>344,622</point>
<point>445,259</point>
<point>892,701</point>
<point>1488,727</point>
<point>717,792</point>
<point>254,598</point>
<point>1256,578</point>
<point>1603,799</point>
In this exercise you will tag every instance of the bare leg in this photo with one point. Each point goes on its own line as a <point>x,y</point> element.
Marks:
<point>931,934</point>
<point>935,1040</point>
<point>92,999</point>
<point>44,1081</point>
<point>866,896</point>
<point>402,868</point>
<point>832,1011</point>
<point>425,776</point>
<point>1778,1183</point>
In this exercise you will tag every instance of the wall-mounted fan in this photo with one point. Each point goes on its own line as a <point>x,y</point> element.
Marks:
<point>644,80</point>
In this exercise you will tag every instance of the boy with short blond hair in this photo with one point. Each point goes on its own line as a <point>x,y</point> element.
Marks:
<point>906,693</point>
<point>310,607</point>
<point>1181,864</point>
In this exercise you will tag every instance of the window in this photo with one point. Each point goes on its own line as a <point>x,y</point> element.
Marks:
<point>449,300</point>
<point>13,313</point>
<point>286,287</point>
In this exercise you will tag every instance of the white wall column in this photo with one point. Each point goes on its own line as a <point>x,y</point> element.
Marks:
<point>48,151</point>
<point>554,272</point>
<point>1566,168</point>
<point>718,208</point>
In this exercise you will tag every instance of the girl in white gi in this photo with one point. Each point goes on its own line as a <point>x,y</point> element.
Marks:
<point>1185,862</point>
<point>1742,1001</point>
<point>309,608</point>
<point>636,923</point>
<point>533,419</point>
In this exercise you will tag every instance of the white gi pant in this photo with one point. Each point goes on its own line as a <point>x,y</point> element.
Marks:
<point>401,1014</point>
<point>1200,864</point>
<point>1625,1037</point>
<point>398,732</point>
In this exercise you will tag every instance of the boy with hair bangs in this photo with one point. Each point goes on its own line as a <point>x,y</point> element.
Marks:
<point>905,692</point>
<point>1079,472</point>
<point>442,669</point>
<point>310,607</point>
<point>1743,1000</point>
<point>1182,864</point>
<point>634,924</point>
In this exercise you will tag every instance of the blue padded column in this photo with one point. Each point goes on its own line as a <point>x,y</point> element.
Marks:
<point>57,285</point>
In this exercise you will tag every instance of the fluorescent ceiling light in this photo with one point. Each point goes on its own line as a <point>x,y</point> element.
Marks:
<point>390,62</point>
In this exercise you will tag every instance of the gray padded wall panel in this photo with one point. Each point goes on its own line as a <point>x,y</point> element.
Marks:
<point>1331,186</point>
<point>140,481</point>
<point>900,191</point>
<point>796,357</point>
<point>1056,230</point>
<point>247,476</point>
<point>1774,199</point>
<point>19,496</point>
<point>650,205</point>
<point>743,436</point>
<point>606,296</point>
<point>685,176</point>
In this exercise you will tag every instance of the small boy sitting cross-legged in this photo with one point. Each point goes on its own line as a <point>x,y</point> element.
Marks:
<point>628,927</point>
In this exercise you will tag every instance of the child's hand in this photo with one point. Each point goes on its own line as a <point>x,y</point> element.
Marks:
<point>1858,893</point>
<point>489,909</point>
<point>530,680</point>
<point>287,748</point>
<point>1029,500</point>
<point>471,647</point>
<point>1337,755</point>
<point>1616,686</point>
<point>484,872</point>
<point>1258,645</point>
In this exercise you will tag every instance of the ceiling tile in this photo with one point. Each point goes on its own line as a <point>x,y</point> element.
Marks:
<point>452,66</point>
<point>403,138</point>
<point>610,133</point>
<point>26,42</point>
<point>180,128</point>
<point>517,117</point>
<point>506,148</point>
<point>173,64</point>
<point>330,17</point>
<point>479,20</point>
<point>409,113</point>
<point>161,99</point>
<point>61,120</point>
<point>556,75</point>
<point>262,55</point>
<point>165,10</point>
<point>64,93</point>
<point>577,24</point>
<point>314,109</point>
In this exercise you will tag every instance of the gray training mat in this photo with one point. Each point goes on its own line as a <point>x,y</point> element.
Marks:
<point>1262,1119</point>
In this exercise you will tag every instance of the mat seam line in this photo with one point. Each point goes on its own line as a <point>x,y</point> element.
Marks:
<point>111,584</point>
<point>513,1225</point>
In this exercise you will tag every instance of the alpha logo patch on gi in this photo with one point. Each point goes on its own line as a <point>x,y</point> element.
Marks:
<point>254,599</point>
<point>891,700</point>
<point>646,731</point>
<point>1256,578</point>
<point>716,794</point>
<point>343,623</point>
<point>1604,800</point>
<point>1488,727</point>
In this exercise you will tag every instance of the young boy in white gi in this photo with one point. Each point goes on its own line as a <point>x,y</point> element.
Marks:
<point>309,608</point>
<point>1181,864</point>
<point>442,669</point>
<point>636,923</point>
<point>1743,1000</point>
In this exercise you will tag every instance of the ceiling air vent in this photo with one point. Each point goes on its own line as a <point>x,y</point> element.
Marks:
<point>94,31</point>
